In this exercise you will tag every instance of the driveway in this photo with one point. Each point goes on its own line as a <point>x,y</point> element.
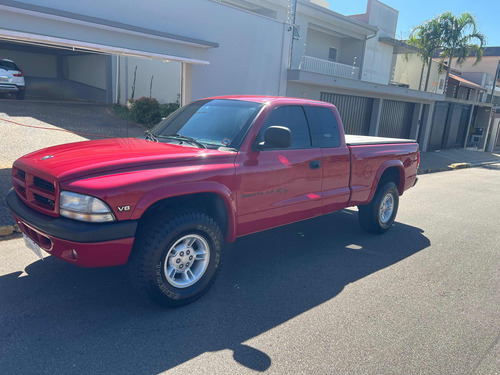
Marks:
<point>26,126</point>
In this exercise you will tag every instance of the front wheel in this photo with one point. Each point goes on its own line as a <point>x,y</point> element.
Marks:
<point>380,213</point>
<point>177,260</point>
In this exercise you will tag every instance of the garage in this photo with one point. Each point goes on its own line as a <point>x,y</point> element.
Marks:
<point>71,56</point>
<point>61,74</point>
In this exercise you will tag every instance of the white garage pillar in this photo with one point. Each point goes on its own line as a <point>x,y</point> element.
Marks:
<point>415,121</point>
<point>426,127</point>
<point>375,119</point>
<point>186,83</point>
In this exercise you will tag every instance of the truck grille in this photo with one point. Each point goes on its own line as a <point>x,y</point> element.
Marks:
<point>43,184</point>
<point>38,192</point>
<point>45,201</point>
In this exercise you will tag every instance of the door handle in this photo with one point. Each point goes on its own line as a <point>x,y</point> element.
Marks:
<point>315,164</point>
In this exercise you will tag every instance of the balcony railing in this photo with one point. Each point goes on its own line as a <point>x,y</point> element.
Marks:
<point>331,68</point>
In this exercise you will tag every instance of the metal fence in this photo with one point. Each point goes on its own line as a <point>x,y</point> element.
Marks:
<point>331,68</point>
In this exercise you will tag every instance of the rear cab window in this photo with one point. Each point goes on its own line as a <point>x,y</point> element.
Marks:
<point>324,122</point>
<point>293,118</point>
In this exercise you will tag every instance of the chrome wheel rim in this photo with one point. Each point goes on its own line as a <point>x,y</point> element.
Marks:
<point>386,208</point>
<point>186,261</point>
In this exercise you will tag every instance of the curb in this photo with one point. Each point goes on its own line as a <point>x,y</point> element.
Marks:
<point>7,230</point>
<point>456,166</point>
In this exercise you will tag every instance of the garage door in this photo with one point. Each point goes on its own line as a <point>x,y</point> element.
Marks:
<point>355,111</point>
<point>395,119</point>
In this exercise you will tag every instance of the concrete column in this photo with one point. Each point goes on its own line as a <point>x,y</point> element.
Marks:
<point>495,124</point>
<point>487,130</point>
<point>285,52</point>
<point>60,66</point>
<point>415,120</point>
<point>186,83</point>
<point>109,80</point>
<point>468,124</point>
<point>426,127</point>
<point>375,119</point>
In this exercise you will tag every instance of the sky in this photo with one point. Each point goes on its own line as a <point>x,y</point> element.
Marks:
<point>414,12</point>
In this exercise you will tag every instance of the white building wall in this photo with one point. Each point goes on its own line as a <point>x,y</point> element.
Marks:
<point>33,64</point>
<point>318,44</point>
<point>87,69</point>
<point>166,79</point>
<point>249,59</point>
<point>407,70</point>
<point>378,56</point>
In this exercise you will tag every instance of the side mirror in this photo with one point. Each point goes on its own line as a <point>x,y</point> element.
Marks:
<point>276,137</point>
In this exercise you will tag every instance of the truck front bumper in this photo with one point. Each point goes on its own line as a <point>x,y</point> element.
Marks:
<point>80,243</point>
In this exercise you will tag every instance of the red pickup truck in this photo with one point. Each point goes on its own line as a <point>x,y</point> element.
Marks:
<point>214,170</point>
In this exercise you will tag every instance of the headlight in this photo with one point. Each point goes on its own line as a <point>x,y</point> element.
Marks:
<point>84,208</point>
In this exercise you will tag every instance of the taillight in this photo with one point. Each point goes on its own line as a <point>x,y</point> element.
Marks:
<point>20,74</point>
<point>418,158</point>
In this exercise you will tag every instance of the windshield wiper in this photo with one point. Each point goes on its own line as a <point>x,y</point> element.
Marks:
<point>151,136</point>
<point>182,138</point>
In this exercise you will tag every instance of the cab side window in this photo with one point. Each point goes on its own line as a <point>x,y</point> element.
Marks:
<point>293,118</point>
<point>325,123</point>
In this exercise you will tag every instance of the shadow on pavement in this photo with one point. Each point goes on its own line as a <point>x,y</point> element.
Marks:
<point>57,318</point>
<point>494,167</point>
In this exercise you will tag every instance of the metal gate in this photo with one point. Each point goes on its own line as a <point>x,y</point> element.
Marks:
<point>438,126</point>
<point>456,126</point>
<point>395,119</point>
<point>449,126</point>
<point>356,111</point>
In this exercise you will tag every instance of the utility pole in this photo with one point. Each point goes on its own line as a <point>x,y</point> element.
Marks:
<point>291,20</point>
<point>497,74</point>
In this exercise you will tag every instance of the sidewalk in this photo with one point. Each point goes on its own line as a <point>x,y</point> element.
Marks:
<point>430,162</point>
<point>447,160</point>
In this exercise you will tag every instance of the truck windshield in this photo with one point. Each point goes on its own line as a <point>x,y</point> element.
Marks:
<point>213,123</point>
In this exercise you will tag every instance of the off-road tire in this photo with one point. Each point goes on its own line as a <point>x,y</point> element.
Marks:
<point>370,216</point>
<point>152,245</point>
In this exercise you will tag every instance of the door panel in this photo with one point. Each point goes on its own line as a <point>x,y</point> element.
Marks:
<point>336,171</point>
<point>277,187</point>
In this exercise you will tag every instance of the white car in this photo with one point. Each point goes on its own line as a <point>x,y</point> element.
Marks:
<point>11,79</point>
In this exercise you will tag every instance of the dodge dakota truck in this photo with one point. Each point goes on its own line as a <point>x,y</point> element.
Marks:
<point>214,170</point>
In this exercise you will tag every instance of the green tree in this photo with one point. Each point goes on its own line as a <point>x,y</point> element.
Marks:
<point>460,36</point>
<point>426,37</point>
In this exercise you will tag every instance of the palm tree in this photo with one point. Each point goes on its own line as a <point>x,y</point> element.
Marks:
<point>426,37</point>
<point>458,37</point>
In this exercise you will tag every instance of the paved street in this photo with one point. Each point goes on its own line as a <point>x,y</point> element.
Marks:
<point>315,297</point>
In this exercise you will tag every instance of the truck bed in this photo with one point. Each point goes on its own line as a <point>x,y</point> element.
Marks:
<point>358,140</point>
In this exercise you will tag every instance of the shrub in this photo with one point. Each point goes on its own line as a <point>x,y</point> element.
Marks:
<point>146,111</point>
<point>167,109</point>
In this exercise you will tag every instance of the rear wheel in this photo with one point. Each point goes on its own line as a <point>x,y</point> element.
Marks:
<point>380,213</point>
<point>175,261</point>
<point>20,95</point>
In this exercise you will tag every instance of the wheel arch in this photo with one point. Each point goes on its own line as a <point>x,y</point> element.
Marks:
<point>392,170</point>
<point>215,202</point>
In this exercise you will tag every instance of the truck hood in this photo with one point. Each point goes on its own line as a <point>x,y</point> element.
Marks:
<point>81,159</point>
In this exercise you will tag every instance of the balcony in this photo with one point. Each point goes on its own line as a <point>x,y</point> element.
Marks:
<point>330,68</point>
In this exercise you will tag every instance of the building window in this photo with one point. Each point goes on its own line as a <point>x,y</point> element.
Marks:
<point>441,83</point>
<point>332,54</point>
